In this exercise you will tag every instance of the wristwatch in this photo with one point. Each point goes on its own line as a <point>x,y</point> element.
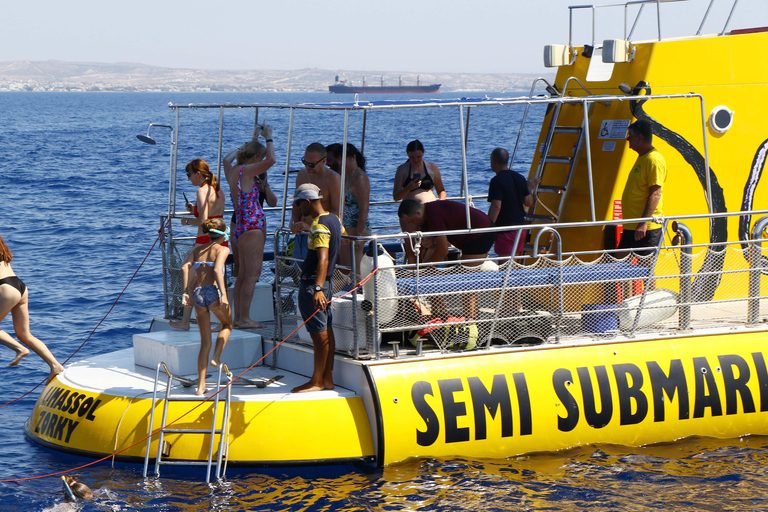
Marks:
<point>318,288</point>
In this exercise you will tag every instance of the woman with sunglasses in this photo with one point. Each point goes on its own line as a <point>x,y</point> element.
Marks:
<point>205,289</point>
<point>415,180</point>
<point>209,204</point>
<point>14,299</point>
<point>249,235</point>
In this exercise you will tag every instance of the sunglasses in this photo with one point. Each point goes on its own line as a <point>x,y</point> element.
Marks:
<point>311,165</point>
<point>191,173</point>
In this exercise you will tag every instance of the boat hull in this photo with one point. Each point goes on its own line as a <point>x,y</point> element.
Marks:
<point>631,393</point>
<point>268,431</point>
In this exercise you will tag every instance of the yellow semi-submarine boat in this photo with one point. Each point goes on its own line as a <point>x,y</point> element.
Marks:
<point>605,348</point>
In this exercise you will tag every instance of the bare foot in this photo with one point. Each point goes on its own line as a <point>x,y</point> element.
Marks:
<point>20,354</point>
<point>54,372</point>
<point>306,388</point>
<point>251,325</point>
<point>179,324</point>
<point>215,363</point>
<point>328,384</point>
<point>200,390</point>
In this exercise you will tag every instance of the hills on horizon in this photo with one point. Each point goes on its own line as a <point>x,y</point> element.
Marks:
<point>53,75</point>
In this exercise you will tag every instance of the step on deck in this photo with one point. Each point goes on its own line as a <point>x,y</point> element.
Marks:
<point>179,349</point>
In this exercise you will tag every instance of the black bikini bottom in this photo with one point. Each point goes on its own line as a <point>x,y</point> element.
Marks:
<point>15,282</point>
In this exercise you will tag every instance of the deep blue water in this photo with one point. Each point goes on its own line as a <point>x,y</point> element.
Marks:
<point>80,200</point>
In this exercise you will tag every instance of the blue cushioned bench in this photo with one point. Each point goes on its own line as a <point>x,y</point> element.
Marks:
<point>531,277</point>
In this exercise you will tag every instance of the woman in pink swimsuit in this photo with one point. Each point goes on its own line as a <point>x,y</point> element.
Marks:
<point>249,234</point>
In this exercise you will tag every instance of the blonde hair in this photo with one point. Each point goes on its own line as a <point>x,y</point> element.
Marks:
<point>217,224</point>
<point>201,166</point>
<point>249,150</point>
<point>5,252</point>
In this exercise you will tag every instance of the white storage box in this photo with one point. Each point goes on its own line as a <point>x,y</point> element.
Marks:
<point>342,323</point>
<point>179,350</point>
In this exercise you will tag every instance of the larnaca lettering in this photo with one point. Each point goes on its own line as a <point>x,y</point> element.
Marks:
<point>62,410</point>
<point>619,394</point>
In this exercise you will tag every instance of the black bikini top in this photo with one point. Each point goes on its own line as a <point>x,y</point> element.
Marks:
<point>426,181</point>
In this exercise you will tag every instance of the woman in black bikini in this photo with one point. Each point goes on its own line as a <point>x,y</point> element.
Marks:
<point>13,299</point>
<point>415,179</point>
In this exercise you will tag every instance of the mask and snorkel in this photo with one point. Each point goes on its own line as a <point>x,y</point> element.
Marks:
<point>225,234</point>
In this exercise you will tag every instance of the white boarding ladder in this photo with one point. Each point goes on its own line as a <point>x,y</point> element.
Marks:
<point>534,214</point>
<point>223,432</point>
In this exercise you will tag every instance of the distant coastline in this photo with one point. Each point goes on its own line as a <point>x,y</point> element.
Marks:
<point>60,76</point>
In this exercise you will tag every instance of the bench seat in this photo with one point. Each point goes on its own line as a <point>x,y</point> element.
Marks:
<point>526,277</point>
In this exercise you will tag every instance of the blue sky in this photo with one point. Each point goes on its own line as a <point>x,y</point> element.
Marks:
<point>429,36</point>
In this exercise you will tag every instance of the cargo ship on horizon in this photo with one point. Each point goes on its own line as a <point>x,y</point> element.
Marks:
<point>343,87</point>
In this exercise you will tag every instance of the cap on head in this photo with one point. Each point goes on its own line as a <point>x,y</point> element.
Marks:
<point>307,191</point>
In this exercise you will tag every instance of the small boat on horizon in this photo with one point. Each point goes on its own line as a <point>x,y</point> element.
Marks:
<point>342,86</point>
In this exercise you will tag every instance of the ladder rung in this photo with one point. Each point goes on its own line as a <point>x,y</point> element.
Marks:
<point>551,189</point>
<point>558,159</point>
<point>184,463</point>
<point>190,431</point>
<point>541,218</point>
<point>568,129</point>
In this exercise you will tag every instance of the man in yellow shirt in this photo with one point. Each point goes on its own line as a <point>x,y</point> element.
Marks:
<point>642,195</point>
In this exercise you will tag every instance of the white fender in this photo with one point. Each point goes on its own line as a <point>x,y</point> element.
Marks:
<point>386,280</point>
<point>664,304</point>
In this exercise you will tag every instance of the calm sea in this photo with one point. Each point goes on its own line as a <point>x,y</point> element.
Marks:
<point>80,200</point>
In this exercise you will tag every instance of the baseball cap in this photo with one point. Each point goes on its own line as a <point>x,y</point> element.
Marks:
<point>307,191</point>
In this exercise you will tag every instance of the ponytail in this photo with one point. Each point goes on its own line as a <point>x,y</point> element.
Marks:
<point>5,252</point>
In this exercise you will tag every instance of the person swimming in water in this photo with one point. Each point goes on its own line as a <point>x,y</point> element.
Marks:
<point>14,297</point>
<point>207,292</point>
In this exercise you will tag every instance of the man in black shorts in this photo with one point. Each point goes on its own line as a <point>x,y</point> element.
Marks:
<point>315,287</point>
<point>449,216</point>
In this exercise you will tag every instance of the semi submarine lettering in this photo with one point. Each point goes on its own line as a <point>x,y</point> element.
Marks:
<point>72,407</point>
<point>641,391</point>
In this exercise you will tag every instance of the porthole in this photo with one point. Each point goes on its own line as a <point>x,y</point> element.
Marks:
<point>721,119</point>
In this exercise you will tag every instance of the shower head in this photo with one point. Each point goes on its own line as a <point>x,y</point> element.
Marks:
<point>146,138</point>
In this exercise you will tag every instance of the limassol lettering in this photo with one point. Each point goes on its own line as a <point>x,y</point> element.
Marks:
<point>54,426</point>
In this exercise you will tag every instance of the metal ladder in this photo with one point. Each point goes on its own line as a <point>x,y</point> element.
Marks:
<point>572,161</point>
<point>223,432</point>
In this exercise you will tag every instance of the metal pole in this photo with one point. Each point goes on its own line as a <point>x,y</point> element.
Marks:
<point>755,253</point>
<point>221,135</point>
<point>589,162</point>
<point>466,140</point>
<point>343,186</point>
<point>174,158</point>
<point>362,139</point>
<point>706,154</point>
<point>658,17</point>
<point>728,21</point>
<point>287,169</point>
<point>706,14</point>
<point>686,269</point>
<point>464,179</point>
